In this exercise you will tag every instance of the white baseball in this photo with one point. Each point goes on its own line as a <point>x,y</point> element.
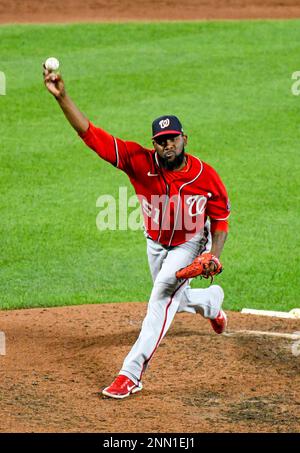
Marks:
<point>52,64</point>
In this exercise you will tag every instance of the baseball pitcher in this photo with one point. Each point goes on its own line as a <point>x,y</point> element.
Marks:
<point>185,208</point>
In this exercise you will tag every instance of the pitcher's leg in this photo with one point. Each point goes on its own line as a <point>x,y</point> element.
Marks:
<point>162,307</point>
<point>206,301</point>
<point>156,254</point>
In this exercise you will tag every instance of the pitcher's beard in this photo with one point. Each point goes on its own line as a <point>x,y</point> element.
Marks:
<point>174,164</point>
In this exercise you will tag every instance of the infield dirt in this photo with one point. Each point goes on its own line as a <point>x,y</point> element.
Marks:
<point>58,360</point>
<point>19,11</point>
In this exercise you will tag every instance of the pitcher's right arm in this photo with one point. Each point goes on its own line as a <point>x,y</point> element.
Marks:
<point>108,147</point>
<point>55,85</point>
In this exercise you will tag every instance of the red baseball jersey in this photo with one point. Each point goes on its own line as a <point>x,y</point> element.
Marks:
<point>175,204</point>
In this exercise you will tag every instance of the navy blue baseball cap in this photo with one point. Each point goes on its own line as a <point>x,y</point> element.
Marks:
<point>167,124</point>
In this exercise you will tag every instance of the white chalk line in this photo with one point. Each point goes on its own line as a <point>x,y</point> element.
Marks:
<point>259,333</point>
<point>2,343</point>
<point>292,314</point>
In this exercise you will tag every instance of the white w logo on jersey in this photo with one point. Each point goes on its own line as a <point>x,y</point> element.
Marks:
<point>164,123</point>
<point>197,201</point>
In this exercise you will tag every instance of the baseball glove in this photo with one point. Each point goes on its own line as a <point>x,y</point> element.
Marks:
<point>205,265</point>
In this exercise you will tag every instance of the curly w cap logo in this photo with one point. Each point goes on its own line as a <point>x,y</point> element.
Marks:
<point>2,84</point>
<point>164,123</point>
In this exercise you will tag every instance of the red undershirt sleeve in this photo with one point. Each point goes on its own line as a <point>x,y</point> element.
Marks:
<point>219,225</point>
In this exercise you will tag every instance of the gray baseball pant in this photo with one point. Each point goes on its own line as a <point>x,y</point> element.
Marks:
<point>168,297</point>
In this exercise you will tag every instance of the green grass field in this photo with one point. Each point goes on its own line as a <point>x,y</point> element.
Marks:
<point>229,82</point>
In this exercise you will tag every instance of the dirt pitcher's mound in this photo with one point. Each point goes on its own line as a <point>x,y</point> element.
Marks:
<point>122,10</point>
<point>57,361</point>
